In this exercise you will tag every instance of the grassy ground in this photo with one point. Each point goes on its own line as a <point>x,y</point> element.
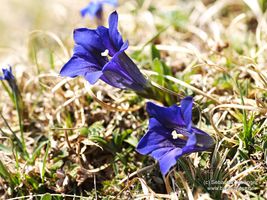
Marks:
<point>80,140</point>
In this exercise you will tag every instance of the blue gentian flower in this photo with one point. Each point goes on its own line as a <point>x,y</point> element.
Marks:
<point>171,134</point>
<point>95,8</point>
<point>99,54</point>
<point>7,74</point>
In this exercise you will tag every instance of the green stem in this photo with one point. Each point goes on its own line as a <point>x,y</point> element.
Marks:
<point>159,93</point>
<point>14,138</point>
<point>19,112</point>
<point>8,92</point>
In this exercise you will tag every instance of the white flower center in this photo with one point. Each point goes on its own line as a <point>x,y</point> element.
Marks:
<point>105,53</point>
<point>176,135</point>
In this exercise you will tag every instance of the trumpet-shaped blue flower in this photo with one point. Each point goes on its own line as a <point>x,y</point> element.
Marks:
<point>171,134</point>
<point>7,74</point>
<point>99,54</point>
<point>95,8</point>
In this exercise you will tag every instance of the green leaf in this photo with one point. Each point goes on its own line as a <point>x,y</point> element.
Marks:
<point>56,165</point>
<point>154,52</point>
<point>6,175</point>
<point>157,67</point>
<point>132,140</point>
<point>44,162</point>
<point>244,154</point>
<point>117,138</point>
<point>96,128</point>
<point>46,196</point>
<point>98,139</point>
<point>37,151</point>
<point>263,5</point>
<point>34,183</point>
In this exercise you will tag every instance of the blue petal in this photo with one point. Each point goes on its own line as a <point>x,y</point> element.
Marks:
<point>191,145</point>
<point>84,11</point>
<point>77,67</point>
<point>7,74</point>
<point>130,68</point>
<point>115,76</point>
<point>159,144</point>
<point>93,9</point>
<point>203,139</point>
<point>121,72</point>
<point>186,108</point>
<point>80,51</point>
<point>124,46</point>
<point>110,37</point>
<point>92,77</point>
<point>104,35</point>
<point>114,34</point>
<point>169,159</point>
<point>192,140</point>
<point>89,39</point>
<point>170,117</point>
<point>158,137</point>
<point>198,141</point>
<point>111,2</point>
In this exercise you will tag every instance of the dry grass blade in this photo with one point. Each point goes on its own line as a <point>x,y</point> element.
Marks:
<point>186,186</point>
<point>36,33</point>
<point>140,171</point>
<point>184,84</point>
<point>108,106</point>
<point>82,139</point>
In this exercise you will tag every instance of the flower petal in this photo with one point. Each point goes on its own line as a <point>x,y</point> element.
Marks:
<point>92,77</point>
<point>111,37</point>
<point>186,108</point>
<point>168,116</point>
<point>130,68</point>
<point>104,35</point>
<point>124,46</point>
<point>114,76</point>
<point>198,141</point>
<point>93,9</point>
<point>89,39</point>
<point>111,2</point>
<point>77,67</point>
<point>84,11</point>
<point>158,137</point>
<point>121,72</point>
<point>159,144</point>
<point>98,60</point>
<point>7,74</point>
<point>114,34</point>
<point>203,139</point>
<point>169,159</point>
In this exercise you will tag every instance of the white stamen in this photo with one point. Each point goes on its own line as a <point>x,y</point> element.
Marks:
<point>175,135</point>
<point>105,53</point>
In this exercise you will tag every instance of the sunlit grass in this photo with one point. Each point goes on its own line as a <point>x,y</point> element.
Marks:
<point>79,140</point>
